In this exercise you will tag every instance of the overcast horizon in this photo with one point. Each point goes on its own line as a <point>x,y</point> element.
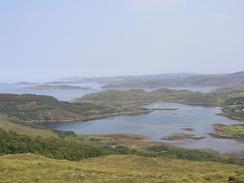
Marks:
<point>44,40</point>
<point>43,80</point>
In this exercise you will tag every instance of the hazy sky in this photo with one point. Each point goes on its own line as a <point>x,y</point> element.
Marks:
<point>48,39</point>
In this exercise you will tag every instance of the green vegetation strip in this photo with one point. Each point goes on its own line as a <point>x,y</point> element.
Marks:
<point>232,131</point>
<point>78,148</point>
<point>116,168</point>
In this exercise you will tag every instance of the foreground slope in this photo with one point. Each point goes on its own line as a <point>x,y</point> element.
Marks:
<point>117,168</point>
<point>23,129</point>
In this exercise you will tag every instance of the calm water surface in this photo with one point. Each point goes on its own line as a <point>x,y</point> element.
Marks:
<point>60,94</point>
<point>154,126</point>
<point>160,124</point>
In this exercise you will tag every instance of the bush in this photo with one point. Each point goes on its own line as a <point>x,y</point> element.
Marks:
<point>12,143</point>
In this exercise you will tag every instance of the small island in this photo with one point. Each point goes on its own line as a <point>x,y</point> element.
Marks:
<point>180,137</point>
<point>58,87</point>
<point>187,129</point>
<point>164,109</point>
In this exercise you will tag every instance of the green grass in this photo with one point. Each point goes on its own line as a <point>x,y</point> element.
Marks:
<point>233,130</point>
<point>72,147</point>
<point>35,108</point>
<point>109,97</point>
<point>238,115</point>
<point>233,103</point>
<point>116,168</point>
<point>22,129</point>
<point>155,164</point>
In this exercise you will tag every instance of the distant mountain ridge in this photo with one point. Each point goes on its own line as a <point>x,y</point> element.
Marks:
<point>57,87</point>
<point>167,80</point>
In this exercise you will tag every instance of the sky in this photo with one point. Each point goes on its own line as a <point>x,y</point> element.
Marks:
<point>51,39</point>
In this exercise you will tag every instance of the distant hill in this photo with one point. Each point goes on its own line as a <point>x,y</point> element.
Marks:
<point>41,108</point>
<point>230,80</point>
<point>38,108</point>
<point>119,97</point>
<point>167,80</point>
<point>215,80</point>
<point>57,87</point>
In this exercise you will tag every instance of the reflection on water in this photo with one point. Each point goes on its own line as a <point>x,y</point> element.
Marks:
<point>160,124</point>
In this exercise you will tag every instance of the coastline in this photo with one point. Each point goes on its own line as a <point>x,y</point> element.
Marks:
<point>94,117</point>
<point>228,114</point>
<point>218,133</point>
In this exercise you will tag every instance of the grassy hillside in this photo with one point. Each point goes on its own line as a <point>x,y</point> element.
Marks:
<point>231,100</point>
<point>32,108</point>
<point>129,163</point>
<point>37,108</point>
<point>59,148</point>
<point>120,169</point>
<point>116,168</point>
<point>23,129</point>
<point>134,96</point>
<point>72,147</point>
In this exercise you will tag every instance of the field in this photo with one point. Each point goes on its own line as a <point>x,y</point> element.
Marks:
<point>120,169</point>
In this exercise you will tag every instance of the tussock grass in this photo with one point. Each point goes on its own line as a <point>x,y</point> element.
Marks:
<point>115,168</point>
<point>26,130</point>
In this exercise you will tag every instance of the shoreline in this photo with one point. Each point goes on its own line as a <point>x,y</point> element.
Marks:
<point>90,118</point>
<point>218,133</point>
<point>142,111</point>
<point>141,142</point>
<point>228,115</point>
<point>214,134</point>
